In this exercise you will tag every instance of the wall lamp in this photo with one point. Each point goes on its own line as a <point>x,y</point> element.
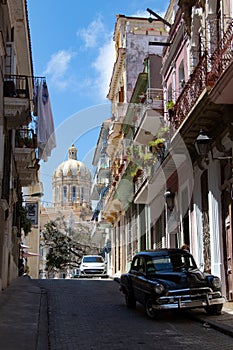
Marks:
<point>150,19</point>
<point>169,199</point>
<point>203,146</point>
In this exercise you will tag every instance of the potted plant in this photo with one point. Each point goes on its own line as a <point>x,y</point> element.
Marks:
<point>170,105</point>
<point>28,142</point>
<point>156,145</point>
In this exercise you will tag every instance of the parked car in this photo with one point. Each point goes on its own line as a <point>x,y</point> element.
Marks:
<point>92,265</point>
<point>168,279</point>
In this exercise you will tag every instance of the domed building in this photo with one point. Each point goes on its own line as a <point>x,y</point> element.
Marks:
<point>72,184</point>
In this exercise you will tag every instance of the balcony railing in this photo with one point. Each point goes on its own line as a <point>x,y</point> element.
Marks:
<point>192,90</point>
<point>222,57</point>
<point>16,86</point>
<point>25,138</point>
<point>154,98</point>
<point>207,73</point>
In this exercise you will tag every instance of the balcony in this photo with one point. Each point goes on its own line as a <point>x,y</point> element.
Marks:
<point>207,75</point>
<point>206,100</point>
<point>104,170</point>
<point>16,101</point>
<point>25,156</point>
<point>25,138</point>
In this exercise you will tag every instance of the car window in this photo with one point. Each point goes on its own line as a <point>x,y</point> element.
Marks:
<point>162,263</point>
<point>138,264</point>
<point>93,259</point>
<point>174,262</point>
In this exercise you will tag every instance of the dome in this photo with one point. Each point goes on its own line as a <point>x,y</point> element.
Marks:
<point>72,167</point>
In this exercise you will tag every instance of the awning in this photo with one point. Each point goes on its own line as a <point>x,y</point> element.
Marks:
<point>28,254</point>
<point>23,246</point>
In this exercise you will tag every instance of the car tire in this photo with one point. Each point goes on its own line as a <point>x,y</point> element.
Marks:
<point>148,309</point>
<point>130,300</point>
<point>214,309</point>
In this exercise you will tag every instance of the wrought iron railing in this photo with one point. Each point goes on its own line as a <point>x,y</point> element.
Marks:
<point>222,57</point>
<point>16,86</point>
<point>192,90</point>
<point>25,138</point>
<point>206,73</point>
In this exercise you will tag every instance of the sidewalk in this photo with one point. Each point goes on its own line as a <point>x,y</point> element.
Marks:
<point>23,308</point>
<point>222,323</point>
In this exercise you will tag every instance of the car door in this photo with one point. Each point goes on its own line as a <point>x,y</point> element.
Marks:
<point>138,277</point>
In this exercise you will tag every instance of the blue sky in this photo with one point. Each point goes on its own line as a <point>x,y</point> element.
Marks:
<point>72,47</point>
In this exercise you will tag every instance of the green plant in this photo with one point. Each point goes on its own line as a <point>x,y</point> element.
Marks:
<point>149,159</point>
<point>25,223</point>
<point>170,104</point>
<point>156,142</point>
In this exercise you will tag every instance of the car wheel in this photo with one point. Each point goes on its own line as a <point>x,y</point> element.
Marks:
<point>148,308</point>
<point>214,309</point>
<point>130,300</point>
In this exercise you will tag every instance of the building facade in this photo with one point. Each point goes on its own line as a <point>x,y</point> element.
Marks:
<point>19,141</point>
<point>18,162</point>
<point>171,156</point>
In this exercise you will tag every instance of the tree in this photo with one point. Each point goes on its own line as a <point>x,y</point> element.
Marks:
<point>66,244</point>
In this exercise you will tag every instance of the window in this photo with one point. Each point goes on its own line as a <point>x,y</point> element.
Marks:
<point>181,77</point>
<point>65,194</point>
<point>73,194</point>
<point>82,194</point>
<point>138,265</point>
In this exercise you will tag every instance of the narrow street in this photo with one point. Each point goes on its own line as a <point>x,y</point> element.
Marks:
<point>91,314</point>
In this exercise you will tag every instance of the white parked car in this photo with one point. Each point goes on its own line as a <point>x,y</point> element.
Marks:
<point>92,266</point>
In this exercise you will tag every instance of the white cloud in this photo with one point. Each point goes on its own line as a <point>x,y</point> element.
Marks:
<point>58,66</point>
<point>92,33</point>
<point>103,65</point>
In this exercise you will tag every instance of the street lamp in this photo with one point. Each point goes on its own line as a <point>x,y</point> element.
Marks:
<point>150,19</point>
<point>169,199</point>
<point>203,146</point>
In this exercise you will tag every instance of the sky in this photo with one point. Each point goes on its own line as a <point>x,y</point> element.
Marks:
<point>73,47</point>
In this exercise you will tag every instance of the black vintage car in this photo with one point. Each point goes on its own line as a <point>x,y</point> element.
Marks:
<point>168,279</point>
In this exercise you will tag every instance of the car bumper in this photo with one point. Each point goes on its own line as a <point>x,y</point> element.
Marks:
<point>186,302</point>
<point>93,273</point>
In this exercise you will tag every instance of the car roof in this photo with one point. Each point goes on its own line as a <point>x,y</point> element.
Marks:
<point>162,251</point>
<point>95,255</point>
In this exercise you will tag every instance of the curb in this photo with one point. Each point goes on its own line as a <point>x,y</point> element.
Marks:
<point>219,326</point>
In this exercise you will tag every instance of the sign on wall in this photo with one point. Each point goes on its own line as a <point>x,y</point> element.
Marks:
<point>32,212</point>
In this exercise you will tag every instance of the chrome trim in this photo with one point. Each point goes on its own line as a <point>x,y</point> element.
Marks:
<point>186,302</point>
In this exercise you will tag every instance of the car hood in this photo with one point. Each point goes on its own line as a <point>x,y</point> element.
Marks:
<point>183,279</point>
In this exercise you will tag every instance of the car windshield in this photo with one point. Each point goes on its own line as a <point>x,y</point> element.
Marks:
<point>173,262</point>
<point>93,259</point>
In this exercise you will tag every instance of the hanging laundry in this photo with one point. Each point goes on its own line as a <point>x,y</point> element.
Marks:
<point>35,97</point>
<point>45,133</point>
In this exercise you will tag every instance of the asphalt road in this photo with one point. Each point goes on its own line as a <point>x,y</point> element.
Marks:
<point>91,314</point>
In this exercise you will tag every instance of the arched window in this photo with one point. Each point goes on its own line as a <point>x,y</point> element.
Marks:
<point>82,194</point>
<point>64,194</point>
<point>73,194</point>
<point>181,76</point>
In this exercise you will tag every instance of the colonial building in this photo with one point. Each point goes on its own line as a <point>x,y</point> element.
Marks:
<point>139,46</point>
<point>19,160</point>
<point>182,193</point>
